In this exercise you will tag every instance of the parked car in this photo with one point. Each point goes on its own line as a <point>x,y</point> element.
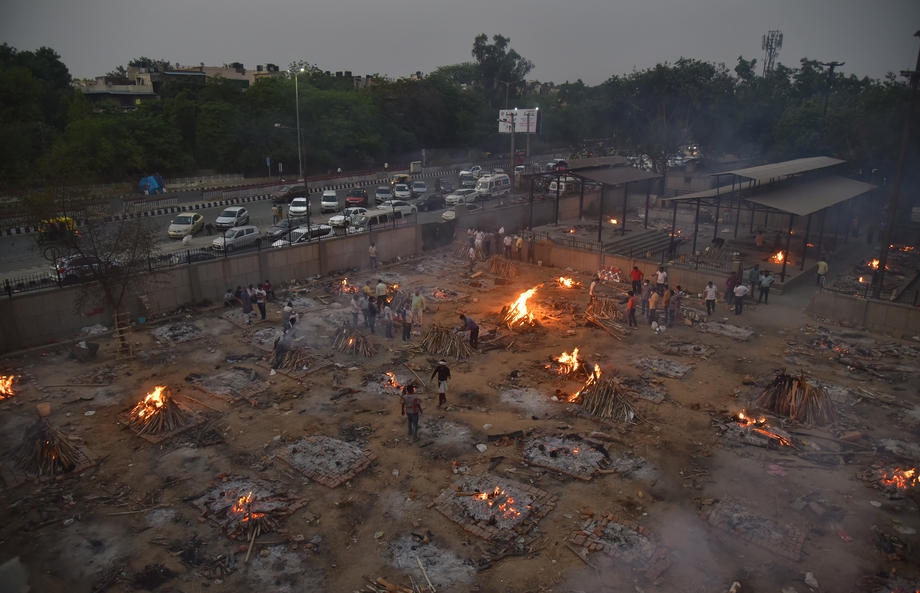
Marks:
<point>451,213</point>
<point>304,234</point>
<point>400,206</point>
<point>347,217</point>
<point>76,268</point>
<point>232,217</point>
<point>433,201</point>
<point>236,238</point>
<point>382,194</point>
<point>356,196</point>
<point>445,186</point>
<point>280,228</point>
<point>419,189</point>
<point>476,170</point>
<point>299,208</point>
<point>467,179</point>
<point>329,202</point>
<point>463,195</point>
<point>401,191</point>
<point>185,224</point>
<point>285,194</point>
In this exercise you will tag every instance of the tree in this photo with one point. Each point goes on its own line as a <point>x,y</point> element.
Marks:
<point>500,69</point>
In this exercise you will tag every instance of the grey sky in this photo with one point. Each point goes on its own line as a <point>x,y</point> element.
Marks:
<point>565,39</point>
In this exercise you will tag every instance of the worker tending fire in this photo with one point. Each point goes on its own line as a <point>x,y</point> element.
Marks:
<point>6,386</point>
<point>157,413</point>
<point>517,312</point>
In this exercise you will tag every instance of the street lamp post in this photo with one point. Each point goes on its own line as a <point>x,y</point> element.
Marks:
<point>513,130</point>
<point>300,143</point>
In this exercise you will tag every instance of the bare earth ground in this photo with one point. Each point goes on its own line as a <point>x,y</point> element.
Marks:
<point>684,505</point>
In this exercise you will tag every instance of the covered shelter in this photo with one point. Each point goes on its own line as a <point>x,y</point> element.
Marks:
<point>796,188</point>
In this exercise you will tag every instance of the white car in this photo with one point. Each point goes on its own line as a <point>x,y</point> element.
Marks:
<point>399,205</point>
<point>382,194</point>
<point>419,189</point>
<point>451,214</point>
<point>231,217</point>
<point>329,202</point>
<point>461,196</point>
<point>299,208</point>
<point>304,234</point>
<point>402,191</point>
<point>238,237</point>
<point>348,217</point>
<point>187,223</point>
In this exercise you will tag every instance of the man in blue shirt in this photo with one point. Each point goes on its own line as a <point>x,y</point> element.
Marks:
<point>468,325</point>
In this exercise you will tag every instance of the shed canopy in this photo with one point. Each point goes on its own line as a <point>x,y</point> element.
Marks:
<point>613,175</point>
<point>809,196</point>
<point>724,190</point>
<point>777,171</point>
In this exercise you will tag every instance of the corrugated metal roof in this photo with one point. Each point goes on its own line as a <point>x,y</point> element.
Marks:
<point>597,161</point>
<point>723,190</point>
<point>777,171</point>
<point>809,196</point>
<point>614,175</point>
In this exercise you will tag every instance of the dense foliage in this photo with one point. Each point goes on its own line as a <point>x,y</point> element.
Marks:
<point>52,135</point>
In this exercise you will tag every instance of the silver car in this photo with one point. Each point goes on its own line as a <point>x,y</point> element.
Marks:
<point>239,237</point>
<point>231,217</point>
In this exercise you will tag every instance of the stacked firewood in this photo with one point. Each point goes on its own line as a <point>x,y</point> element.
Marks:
<point>293,360</point>
<point>351,341</point>
<point>445,342</point>
<point>607,398</point>
<point>792,396</point>
<point>148,418</point>
<point>46,451</point>
<point>503,267</point>
<point>604,314</point>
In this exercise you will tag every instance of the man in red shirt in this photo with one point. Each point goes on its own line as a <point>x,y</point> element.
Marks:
<point>636,276</point>
<point>412,409</point>
<point>631,309</point>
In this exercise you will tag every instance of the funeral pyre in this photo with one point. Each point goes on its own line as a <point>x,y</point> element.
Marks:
<point>517,314</point>
<point>565,363</point>
<point>246,508</point>
<point>444,341</point>
<point>493,509</point>
<point>346,288</point>
<point>895,482</point>
<point>566,282</point>
<point>45,451</point>
<point>568,454</point>
<point>605,398</point>
<point>6,386</point>
<point>756,431</point>
<point>351,341</point>
<point>793,397</point>
<point>157,413</point>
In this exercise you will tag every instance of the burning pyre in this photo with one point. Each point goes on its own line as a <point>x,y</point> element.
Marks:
<point>568,455</point>
<point>898,479</point>
<point>604,398</point>
<point>351,341</point>
<point>6,386</point>
<point>346,288</point>
<point>157,413</point>
<point>778,257</point>
<point>793,397</point>
<point>566,282</point>
<point>517,313</point>
<point>47,452</point>
<point>760,427</point>
<point>565,363</point>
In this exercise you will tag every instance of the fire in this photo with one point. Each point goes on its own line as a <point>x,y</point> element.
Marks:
<point>566,282</point>
<point>244,505</point>
<point>571,231</point>
<point>391,381</point>
<point>6,386</point>
<point>517,311</point>
<point>505,502</point>
<point>568,363</point>
<point>900,479</point>
<point>778,257</point>
<point>154,401</point>
<point>345,287</point>
<point>614,221</point>
<point>760,425</point>
<point>592,379</point>
<point>874,264</point>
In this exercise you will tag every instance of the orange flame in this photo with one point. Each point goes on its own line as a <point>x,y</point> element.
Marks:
<point>760,426</point>
<point>614,221</point>
<point>506,507</point>
<point>874,264</point>
<point>244,505</point>
<point>568,363</point>
<point>571,231</point>
<point>6,386</point>
<point>900,479</point>
<point>391,381</point>
<point>151,404</point>
<point>518,312</point>
<point>592,379</point>
<point>566,282</point>
<point>778,257</point>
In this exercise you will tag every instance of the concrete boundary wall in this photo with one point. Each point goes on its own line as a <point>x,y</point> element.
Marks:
<point>894,319</point>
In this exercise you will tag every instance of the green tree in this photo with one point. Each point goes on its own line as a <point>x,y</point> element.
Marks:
<point>500,69</point>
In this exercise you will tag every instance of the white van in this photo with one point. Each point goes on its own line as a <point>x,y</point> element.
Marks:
<point>564,184</point>
<point>467,179</point>
<point>491,186</point>
<point>330,201</point>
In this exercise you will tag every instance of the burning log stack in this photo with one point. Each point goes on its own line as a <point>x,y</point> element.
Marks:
<point>6,386</point>
<point>157,414</point>
<point>605,398</point>
<point>351,341</point>
<point>445,342</point>
<point>793,397</point>
<point>46,452</point>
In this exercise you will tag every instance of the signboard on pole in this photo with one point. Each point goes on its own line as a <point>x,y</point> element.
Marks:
<point>524,120</point>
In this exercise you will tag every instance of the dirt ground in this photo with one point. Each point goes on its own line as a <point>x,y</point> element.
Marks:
<point>685,501</point>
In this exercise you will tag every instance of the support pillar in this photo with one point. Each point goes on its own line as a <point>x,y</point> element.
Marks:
<point>805,243</point>
<point>782,276</point>
<point>696,225</point>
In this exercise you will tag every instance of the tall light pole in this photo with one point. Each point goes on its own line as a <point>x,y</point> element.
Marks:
<point>513,130</point>
<point>527,151</point>
<point>297,107</point>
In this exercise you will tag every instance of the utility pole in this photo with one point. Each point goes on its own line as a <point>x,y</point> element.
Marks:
<point>827,86</point>
<point>771,43</point>
<point>899,176</point>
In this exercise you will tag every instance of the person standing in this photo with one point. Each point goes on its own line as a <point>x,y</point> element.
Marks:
<point>469,325</point>
<point>411,408</point>
<point>276,214</point>
<point>518,247</point>
<point>246,300</point>
<point>506,242</point>
<point>387,320</point>
<point>754,275</point>
<point>644,297</point>
<point>730,283</point>
<point>710,293</point>
<point>636,276</point>
<point>766,281</point>
<point>531,248</point>
<point>418,308</point>
<point>661,281</point>
<point>372,254</point>
<point>740,292</point>
<point>653,301</point>
<point>381,293</point>
<point>472,257</point>
<point>371,315</point>
<point>355,309</point>
<point>592,289</point>
<point>259,296</point>
<point>821,270</point>
<point>443,374</point>
<point>286,315</point>
<point>666,305</point>
<point>406,316</point>
<point>631,310</point>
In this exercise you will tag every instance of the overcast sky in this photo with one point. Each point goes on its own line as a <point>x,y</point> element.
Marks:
<point>566,40</point>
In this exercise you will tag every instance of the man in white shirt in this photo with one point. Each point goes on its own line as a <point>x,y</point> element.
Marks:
<point>661,281</point>
<point>740,291</point>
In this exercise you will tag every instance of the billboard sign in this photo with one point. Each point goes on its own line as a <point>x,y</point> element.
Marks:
<point>524,120</point>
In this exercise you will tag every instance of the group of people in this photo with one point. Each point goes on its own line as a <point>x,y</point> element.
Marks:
<point>411,402</point>
<point>251,297</point>
<point>371,303</point>
<point>483,245</point>
<point>660,304</point>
